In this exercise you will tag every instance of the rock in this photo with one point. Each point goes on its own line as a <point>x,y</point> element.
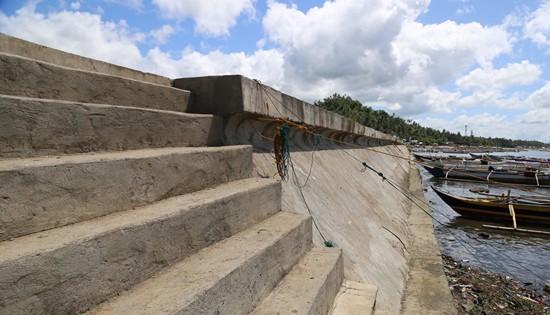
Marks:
<point>484,235</point>
<point>467,305</point>
<point>547,287</point>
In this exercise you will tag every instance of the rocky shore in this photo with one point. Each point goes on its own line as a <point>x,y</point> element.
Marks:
<point>476,291</point>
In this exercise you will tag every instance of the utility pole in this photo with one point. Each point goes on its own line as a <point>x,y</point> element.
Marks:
<point>465,130</point>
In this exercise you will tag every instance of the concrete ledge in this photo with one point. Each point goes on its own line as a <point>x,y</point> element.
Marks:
<point>355,298</point>
<point>43,193</point>
<point>309,288</point>
<point>70,269</point>
<point>16,46</point>
<point>234,94</point>
<point>427,287</point>
<point>229,277</point>
<point>20,76</point>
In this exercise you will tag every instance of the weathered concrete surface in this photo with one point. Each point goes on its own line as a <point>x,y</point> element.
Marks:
<point>33,127</point>
<point>427,288</point>
<point>355,298</point>
<point>235,94</point>
<point>20,76</point>
<point>67,270</point>
<point>16,46</point>
<point>47,192</point>
<point>355,210</point>
<point>229,277</point>
<point>309,288</point>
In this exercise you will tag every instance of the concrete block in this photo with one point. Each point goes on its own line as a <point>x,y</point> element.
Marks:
<point>31,78</point>
<point>355,298</point>
<point>34,127</point>
<point>310,287</point>
<point>70,269</point>
<point>47,192</point>
<point>229,277</point>
<point>234,94</point>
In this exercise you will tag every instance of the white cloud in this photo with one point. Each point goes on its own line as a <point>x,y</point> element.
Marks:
<point>532,125</point>
<point>265,65</point>
<point>523,73</point>
<point>537,27</point>
<point>481,124</point>
<point>213,17</point>
<point>162,34</point>
<point>489,86</point>
<point>77,32</point>
<point>540,98</point>
<point>374,51</point>
<point>75,5</point>
<point>538,116</point>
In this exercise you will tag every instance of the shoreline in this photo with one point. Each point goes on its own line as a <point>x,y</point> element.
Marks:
<point>477,291</point>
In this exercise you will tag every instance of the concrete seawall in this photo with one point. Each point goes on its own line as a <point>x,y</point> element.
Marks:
<point>385,240</point>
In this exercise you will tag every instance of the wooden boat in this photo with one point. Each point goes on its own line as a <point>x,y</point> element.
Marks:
<point>526,209</point>
<point>526,177</point>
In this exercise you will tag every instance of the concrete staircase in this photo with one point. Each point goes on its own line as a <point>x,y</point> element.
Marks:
<point>114,200</point>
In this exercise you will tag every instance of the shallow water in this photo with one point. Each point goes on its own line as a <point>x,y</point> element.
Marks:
<point>525,257</point>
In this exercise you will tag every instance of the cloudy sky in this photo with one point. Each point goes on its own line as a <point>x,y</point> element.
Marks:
<point>444,64</point>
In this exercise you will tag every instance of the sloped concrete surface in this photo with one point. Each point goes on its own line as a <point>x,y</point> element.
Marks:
<point>356,210</point>
<point>229,277</point>
<point>31,78</point>
<point>309,288</point>
<point>34,127</point>
<point>47,192</point>
<point>70,269</point>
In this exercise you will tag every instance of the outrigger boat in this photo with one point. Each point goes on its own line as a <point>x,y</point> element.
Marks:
<point>525,177</point>
<point>506,207</point>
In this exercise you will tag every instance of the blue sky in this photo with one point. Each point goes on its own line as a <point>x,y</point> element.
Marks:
<point>444,64</point>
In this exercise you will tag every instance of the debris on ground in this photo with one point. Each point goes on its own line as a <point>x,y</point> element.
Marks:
<point>476,291</point>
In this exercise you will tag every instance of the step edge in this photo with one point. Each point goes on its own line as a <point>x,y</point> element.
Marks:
<point>127,219</point>
<point>298,220</point>
<point>105,105</point>
<point>14,164</point>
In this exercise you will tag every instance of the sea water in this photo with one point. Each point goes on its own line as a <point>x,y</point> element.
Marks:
<point>525,257</point>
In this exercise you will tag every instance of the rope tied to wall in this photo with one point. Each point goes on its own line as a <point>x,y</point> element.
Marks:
<point>372,169</point>
<point>281,149</point>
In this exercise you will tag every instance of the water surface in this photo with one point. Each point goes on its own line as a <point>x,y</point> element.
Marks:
<point>525,257</point>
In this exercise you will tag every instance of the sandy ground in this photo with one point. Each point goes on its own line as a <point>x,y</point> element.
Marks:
<point>476,291</point>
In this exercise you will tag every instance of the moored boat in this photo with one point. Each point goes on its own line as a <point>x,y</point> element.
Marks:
<point>526,209</point>
<point>526,177</point>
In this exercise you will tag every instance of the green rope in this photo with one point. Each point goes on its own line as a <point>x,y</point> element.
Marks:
<point>372,169</point>
<point>285,130</point>
<point>283,164</point>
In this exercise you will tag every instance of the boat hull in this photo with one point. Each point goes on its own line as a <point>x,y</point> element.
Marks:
<point>483,209</point>
<point>521,178</point>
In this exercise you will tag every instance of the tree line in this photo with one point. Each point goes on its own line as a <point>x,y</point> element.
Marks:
<point>407,129</point>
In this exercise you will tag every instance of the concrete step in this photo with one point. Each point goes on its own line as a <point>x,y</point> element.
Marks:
<point>34,127</point>
<point>20,76</point>
<point>71,269</point>
<point>229,277</point>
<point>47,192</point>
<point>355,298</point>
<point>311,286</point>
<point>16,46</point>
